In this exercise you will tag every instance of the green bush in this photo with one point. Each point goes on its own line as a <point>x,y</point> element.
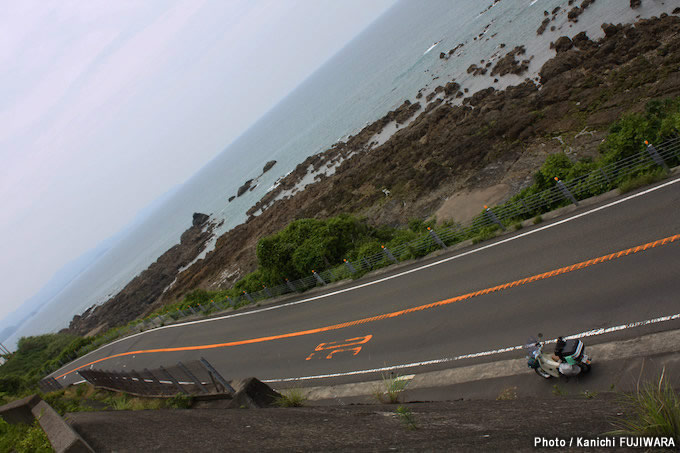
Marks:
<point>23,438</point>
<point>308,244</point>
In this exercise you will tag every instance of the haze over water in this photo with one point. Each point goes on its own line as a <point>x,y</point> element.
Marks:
<point>373,74</point>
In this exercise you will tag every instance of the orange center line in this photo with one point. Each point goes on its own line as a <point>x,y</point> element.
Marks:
<point>543,276</point>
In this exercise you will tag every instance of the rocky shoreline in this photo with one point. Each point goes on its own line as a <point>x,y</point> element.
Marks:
<point>440,150</point>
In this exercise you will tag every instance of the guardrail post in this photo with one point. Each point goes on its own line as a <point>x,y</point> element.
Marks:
<point>141,385</point>
<point>213,372</point>
<point>366,263</point>
<point>491,216</point>
<point>658,160</point>
<point>290,285</point>
<point>436,238</point>
<point>154,380</point>
<point>524,205</point>
<point>388,254</point>
<point>249,297</point>
<point>606,178</point>
<point>318,278</point>
<point>191,309</point>
<point>173,380</point>
<point>350,267</point>
<point>565,191</point>
<point>191,376</point>
<point>266,290</point>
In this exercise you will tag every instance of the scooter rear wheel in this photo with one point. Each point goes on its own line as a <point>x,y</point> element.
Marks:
<point>542,373</point>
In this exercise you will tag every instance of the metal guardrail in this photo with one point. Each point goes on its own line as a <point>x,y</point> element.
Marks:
<point>193,378</point>
<point>604,178</point>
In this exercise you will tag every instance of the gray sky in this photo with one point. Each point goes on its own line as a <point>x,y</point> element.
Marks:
<point>105,105</point>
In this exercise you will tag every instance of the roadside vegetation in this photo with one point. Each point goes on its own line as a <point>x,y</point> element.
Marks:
<point>652,410</point>
<point>390,390</point>
<point>294,397</point>
<point>23,438</point>
<point>406,416</point>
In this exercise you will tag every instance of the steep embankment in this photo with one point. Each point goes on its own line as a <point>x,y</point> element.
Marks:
<point>492,138</point>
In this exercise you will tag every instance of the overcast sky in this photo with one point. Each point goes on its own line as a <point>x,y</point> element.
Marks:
<point>105,105</point>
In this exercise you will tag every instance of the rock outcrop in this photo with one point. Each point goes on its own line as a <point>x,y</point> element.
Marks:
<point>562,44</point>
<point>244,188</point>
<point>509,65</point>
<point>268,166</point>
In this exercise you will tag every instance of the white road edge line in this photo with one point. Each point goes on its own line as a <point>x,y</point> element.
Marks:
<point>589,333</point>
<point>401,274</point>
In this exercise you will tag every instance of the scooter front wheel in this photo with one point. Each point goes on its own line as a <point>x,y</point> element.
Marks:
<point>584,367</point>
<point>542,373</point>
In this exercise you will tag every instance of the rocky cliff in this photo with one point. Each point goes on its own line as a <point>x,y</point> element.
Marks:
<point>147,287</point>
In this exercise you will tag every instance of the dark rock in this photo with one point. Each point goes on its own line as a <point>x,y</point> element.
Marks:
<point>509,65</point>
<point>563,44</point>
<point>268,166</point>
<point>676,10</point>
<point>556,10</point>
<point>442,55</point>
<point>476,70</point>
<point>232,198</point>
<point>246,185</point>
<point>253,394</point>
<point>581,41</point>
<point>562,63</point>
<point>635,3</point>
<point>419,95</point>
<point>451,88</point>
<point>543,26</point>
<point>609,30</point>
<point>199,219</point>
<point>574,13</point>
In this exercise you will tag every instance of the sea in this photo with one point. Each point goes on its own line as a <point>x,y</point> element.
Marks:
<point>388,63</point>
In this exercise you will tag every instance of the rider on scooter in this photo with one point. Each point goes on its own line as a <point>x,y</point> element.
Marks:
<point>565,369</point>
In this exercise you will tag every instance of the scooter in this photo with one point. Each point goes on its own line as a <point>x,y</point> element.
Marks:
<point>571,352</point>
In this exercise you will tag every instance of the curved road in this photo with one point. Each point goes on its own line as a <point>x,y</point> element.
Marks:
<point>349,322</point>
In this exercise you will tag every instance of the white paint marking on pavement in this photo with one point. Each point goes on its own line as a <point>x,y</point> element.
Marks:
<point>401,274</point>
<point>588,333</point>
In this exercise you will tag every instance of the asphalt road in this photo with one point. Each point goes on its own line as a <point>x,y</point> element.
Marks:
<point>635,287</point>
